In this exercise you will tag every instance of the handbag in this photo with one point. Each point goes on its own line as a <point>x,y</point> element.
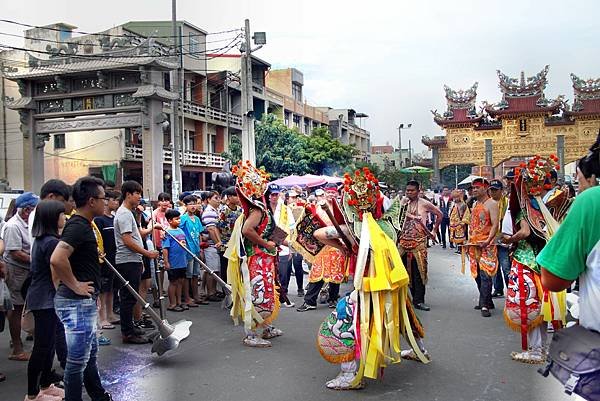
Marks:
<point>574,359</point>
<point>27,321</point>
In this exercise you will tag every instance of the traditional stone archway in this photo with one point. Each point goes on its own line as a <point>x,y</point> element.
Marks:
<point>71,93</point>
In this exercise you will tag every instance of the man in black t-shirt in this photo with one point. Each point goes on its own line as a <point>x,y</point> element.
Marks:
<point>106,228</point>
<point>75,262</point>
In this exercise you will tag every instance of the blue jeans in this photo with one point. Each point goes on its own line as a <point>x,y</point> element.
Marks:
<point>503,269</point>
<point>79,319</point>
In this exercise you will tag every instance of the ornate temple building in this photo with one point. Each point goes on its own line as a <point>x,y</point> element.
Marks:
<point>522,124</point>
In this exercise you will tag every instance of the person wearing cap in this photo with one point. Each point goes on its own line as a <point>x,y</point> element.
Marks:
<point>497,194</point>
<point>17,251</point>
<point>284,219</point>
<point>297,208</point>
<point>482,250</point>
<point>509,179</point>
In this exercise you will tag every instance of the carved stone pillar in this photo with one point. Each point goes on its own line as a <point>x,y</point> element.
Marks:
<point>489,157</point>
<point>33,154</point>
<point>152,95</point>
<point>560,153</point>
<point>435,156</point>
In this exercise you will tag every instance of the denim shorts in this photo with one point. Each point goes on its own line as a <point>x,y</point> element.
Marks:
<point>193,268</point>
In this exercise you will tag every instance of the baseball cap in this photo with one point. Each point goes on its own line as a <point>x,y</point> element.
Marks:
<point>274,188</point>
<point>496,184</point>
<point>319,192</point>
<point>26,199</point>
<point>510,175</point>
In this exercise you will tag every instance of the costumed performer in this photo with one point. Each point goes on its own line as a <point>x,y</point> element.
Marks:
<point>414,236</point>
<point>460,217</point>
<point>252,255</point>
<point>363,332</point>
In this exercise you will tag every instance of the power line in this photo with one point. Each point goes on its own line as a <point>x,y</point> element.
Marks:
<point>111,35</point>
<point>228,47</point>
<point>99,45</point>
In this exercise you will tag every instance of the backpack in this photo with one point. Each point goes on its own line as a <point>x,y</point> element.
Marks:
<point>574,359</point>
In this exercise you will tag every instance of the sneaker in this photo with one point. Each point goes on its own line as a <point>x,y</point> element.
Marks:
<point>306,307</point>
<point>409,354</point>
<point>135,339</point>
<point>331,304</point>
<point>343,382</point>
<point>103,340</point>
<point>138,331</point>
<point>301,293</point>
<point>477,307</point>
<point>498,294</point>
<point>144,324</point>
<point>271,332</point>
<point>53,391</point>
<point>256,342</point>
<point>532,356</point>
<point>289,304</point>
<point>485,312</point>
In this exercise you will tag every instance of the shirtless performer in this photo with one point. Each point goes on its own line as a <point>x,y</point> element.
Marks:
<point>482,250</point>
<point>413,241</point>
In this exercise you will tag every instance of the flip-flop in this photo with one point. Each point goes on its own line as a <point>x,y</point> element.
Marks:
<point>201,302</point>
<point>109,326</point>
<point>175,309</point>
<point>22,357</point>
<point>192,305</point>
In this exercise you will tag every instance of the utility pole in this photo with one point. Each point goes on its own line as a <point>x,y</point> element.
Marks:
<point>175,131</point>
<point>248,147</point>
<point>400,128</point>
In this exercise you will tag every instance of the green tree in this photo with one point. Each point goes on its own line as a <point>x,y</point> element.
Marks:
<point>283,151</point>
<point>449,176</point>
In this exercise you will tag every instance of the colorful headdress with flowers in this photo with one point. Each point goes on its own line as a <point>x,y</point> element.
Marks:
<point>532,178</point>
<point>537,172</point>
<point>362,189</point>
<point>251,182</point>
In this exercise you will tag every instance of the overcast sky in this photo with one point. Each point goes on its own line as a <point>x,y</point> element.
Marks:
<point>389,59</point>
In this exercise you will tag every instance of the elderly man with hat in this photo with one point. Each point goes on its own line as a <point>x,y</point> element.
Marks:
<point>17,251</point>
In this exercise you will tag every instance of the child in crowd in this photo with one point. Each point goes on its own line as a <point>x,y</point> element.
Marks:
<point>175,259</point>
<point>192,227</point>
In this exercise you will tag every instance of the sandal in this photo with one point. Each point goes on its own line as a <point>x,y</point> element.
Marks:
<point>184,307</point>
<point>22,357</point>
<point>175,309</point>
<point>214,298</point>
<point>191,304</point>
<point>108,326</point>
<point>201,302</point>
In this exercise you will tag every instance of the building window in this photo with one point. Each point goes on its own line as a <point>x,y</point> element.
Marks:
<point>306,126</point>
<point>194,45</point>
<point>191,135</point>
<point>297,91</point>
<point>523,125</point>
<point>287,118</point>
<point>212,142</point>
<point>59,141</point>
<point>297,121</point>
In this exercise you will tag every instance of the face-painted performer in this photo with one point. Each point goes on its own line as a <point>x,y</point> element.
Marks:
<point>363,333</point>
<point>252,258</point>
<point>526,299</point>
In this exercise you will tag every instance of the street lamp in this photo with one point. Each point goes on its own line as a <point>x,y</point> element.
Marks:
<point>400,128</point>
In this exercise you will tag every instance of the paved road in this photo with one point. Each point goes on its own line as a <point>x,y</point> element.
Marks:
<point>471,358</point>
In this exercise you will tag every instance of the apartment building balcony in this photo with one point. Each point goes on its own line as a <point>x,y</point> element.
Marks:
<point>209,114</point>
<point>188,158</point>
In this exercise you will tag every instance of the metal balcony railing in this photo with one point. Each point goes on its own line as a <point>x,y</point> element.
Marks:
<point>188,158</point>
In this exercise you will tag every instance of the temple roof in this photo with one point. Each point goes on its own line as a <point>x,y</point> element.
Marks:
<point>92,65</point>
<point>461,107</point>
<point>587,96</point>
<point>523,96</point>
